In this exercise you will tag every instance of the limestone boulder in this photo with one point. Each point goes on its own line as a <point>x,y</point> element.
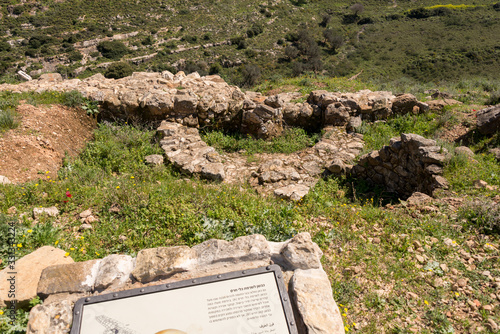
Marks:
<point>114,269</point>
<point>51,212</point>
<point>28,270</point>
<point>336,114</point>
<point>155,263</point>
<point>302,253</point>
<point>154,160</point>
<point>76,277</point>
<point>313,296</point>
<point>54,318</point>
<point>488,120</point>
<point>294,192</point>
<point>4,180</point>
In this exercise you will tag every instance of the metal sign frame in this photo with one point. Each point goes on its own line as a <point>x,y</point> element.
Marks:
<point>275,269</point>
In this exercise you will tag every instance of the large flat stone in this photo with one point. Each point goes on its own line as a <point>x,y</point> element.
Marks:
<point>313,295</point>
<point>28,270</point>
<point>157,263</point>
<point>76,277</point>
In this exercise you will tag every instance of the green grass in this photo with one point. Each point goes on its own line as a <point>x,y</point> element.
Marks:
<point>292,140</point>
<point>160,207</point>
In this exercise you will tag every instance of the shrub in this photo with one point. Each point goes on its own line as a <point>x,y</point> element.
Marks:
<point>484,214</point>
<point>73,99</point>
<point>118,70</point>
<point>251,74</point>
<point>255,30</point>
<point>357,9</point>
<point>325,20</point>
<point>7,120</point>
<point>4,46</point>
<point>215,68</point>
<point>112,49</point>
<point>494,98</point>
<point>291,52</point>
<point>75,56</point>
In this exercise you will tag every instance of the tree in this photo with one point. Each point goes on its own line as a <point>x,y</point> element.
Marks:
<point>118,70</point>
<point>251,74</point>
<point>291,52</point>
<point>112,49</point>
<point>357,9</point>
<point>335,41</point>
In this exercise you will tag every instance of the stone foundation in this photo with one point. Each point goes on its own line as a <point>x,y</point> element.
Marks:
<point>410,163</point>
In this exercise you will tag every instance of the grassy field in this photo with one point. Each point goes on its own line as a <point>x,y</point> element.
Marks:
<point>392,266</point>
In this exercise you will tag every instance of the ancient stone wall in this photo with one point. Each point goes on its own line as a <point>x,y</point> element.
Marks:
<point>60,285</point>
<point>209,101</point>
<point>410,163</point>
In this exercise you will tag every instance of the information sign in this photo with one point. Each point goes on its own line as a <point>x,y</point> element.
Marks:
<point>253,301</point>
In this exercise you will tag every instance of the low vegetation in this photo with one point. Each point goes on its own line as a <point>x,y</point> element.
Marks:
<point>370,240</point>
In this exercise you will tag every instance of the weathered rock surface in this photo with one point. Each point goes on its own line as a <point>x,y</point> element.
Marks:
<point>154,159</point>
<point>488,120</point>
<point>51,212</point>
<point>53,318</point>
<point>61,285</point>
<point>114,269</point>
<point>206,101</point>
<point>71,278</point>
<point>4,180</point>
<point>162,262</point>
<point>28,270</point>
<point>312,294</point>
<point>410,163</point>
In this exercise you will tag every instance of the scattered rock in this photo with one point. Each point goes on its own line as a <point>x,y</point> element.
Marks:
<point>51,212</point>
<point>4,180</point>
<point>114,269</point>
<point>419,199</point>
<point>154,159</point>
<point>292,192</point>
<point>162,262</point>
<point>464,150</point>
<point>86,213</point>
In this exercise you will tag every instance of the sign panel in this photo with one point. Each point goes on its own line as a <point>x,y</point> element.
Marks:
<point>253,301</point>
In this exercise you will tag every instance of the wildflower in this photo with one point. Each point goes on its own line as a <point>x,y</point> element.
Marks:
<point>426,302</point>
<point>344,315</point>
<point>72,249</point>
<point>66,254</point>
<point>19,245</point>
<point>68,194</point>
<point>346,328</point>
<point>457,294</point>
<point>131,177</point>
<point>29,231</point>
<point>1,312</point>
<point>117,187</point>
<point>96,253</point>
<point>57,241</point>
<point>81,237</point>
<point>36,185</point>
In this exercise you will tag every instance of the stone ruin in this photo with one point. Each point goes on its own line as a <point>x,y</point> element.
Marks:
<point>410,163</point>
<point>185,103</point>
<point>59,281</point>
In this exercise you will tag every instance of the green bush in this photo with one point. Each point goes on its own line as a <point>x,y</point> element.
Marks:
<point>7,120</point>
<point>112,50</point>
<point>73,99</point>
<point>75,56</point>
<point>484,214</point>
<point>118,70</point>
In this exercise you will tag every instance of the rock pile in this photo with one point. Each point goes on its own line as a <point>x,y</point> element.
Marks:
<point>205,101</point>
<point>410,163</point>
<point>287,176</point>
<point>60,285</point>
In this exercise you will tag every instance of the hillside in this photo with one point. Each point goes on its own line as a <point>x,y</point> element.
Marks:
<point>248,42</point>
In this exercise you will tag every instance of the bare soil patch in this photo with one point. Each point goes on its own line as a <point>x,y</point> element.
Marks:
<point>39,144</point>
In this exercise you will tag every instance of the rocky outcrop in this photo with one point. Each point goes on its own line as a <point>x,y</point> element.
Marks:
<point>488,120</point>
<point>209,101</point>
<point>410,163</point>
<point>299,258</point>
